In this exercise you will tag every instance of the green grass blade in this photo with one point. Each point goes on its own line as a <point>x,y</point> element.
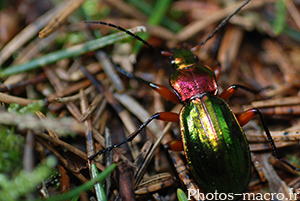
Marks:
<point>155,18</point>
<point>100,192</point>
<point>280,20</point>
<point>160,10</point>
<point>84,187</point>
<point>147,9</point>
<point>181,195</point>
<point>66,53</point>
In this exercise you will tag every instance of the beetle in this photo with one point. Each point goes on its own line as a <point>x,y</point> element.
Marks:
<point>214,143</point>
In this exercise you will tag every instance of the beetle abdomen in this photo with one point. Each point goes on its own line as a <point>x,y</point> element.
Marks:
<point>215,145</point>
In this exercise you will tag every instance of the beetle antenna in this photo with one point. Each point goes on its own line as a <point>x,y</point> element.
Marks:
<point>220,26</point>
<point>125,31</point>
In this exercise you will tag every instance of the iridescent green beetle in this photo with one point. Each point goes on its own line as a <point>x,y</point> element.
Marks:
<point>214,143</point>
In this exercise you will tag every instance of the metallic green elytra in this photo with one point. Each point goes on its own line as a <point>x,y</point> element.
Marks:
<point>215,145</point>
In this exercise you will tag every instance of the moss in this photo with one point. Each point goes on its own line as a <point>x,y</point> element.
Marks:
<point>11,151</point>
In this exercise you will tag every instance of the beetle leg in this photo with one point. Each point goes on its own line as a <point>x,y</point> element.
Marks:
<point>164,116</point>
<point>165,92</point>
<point>227,93</point>
<point>246,116</point>
<point>162,90</point>
<point>174,145</point>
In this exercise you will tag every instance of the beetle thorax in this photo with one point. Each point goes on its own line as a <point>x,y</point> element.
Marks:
<point>190,78</point>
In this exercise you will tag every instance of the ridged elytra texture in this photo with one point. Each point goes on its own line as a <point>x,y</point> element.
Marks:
<point>215,145</point>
